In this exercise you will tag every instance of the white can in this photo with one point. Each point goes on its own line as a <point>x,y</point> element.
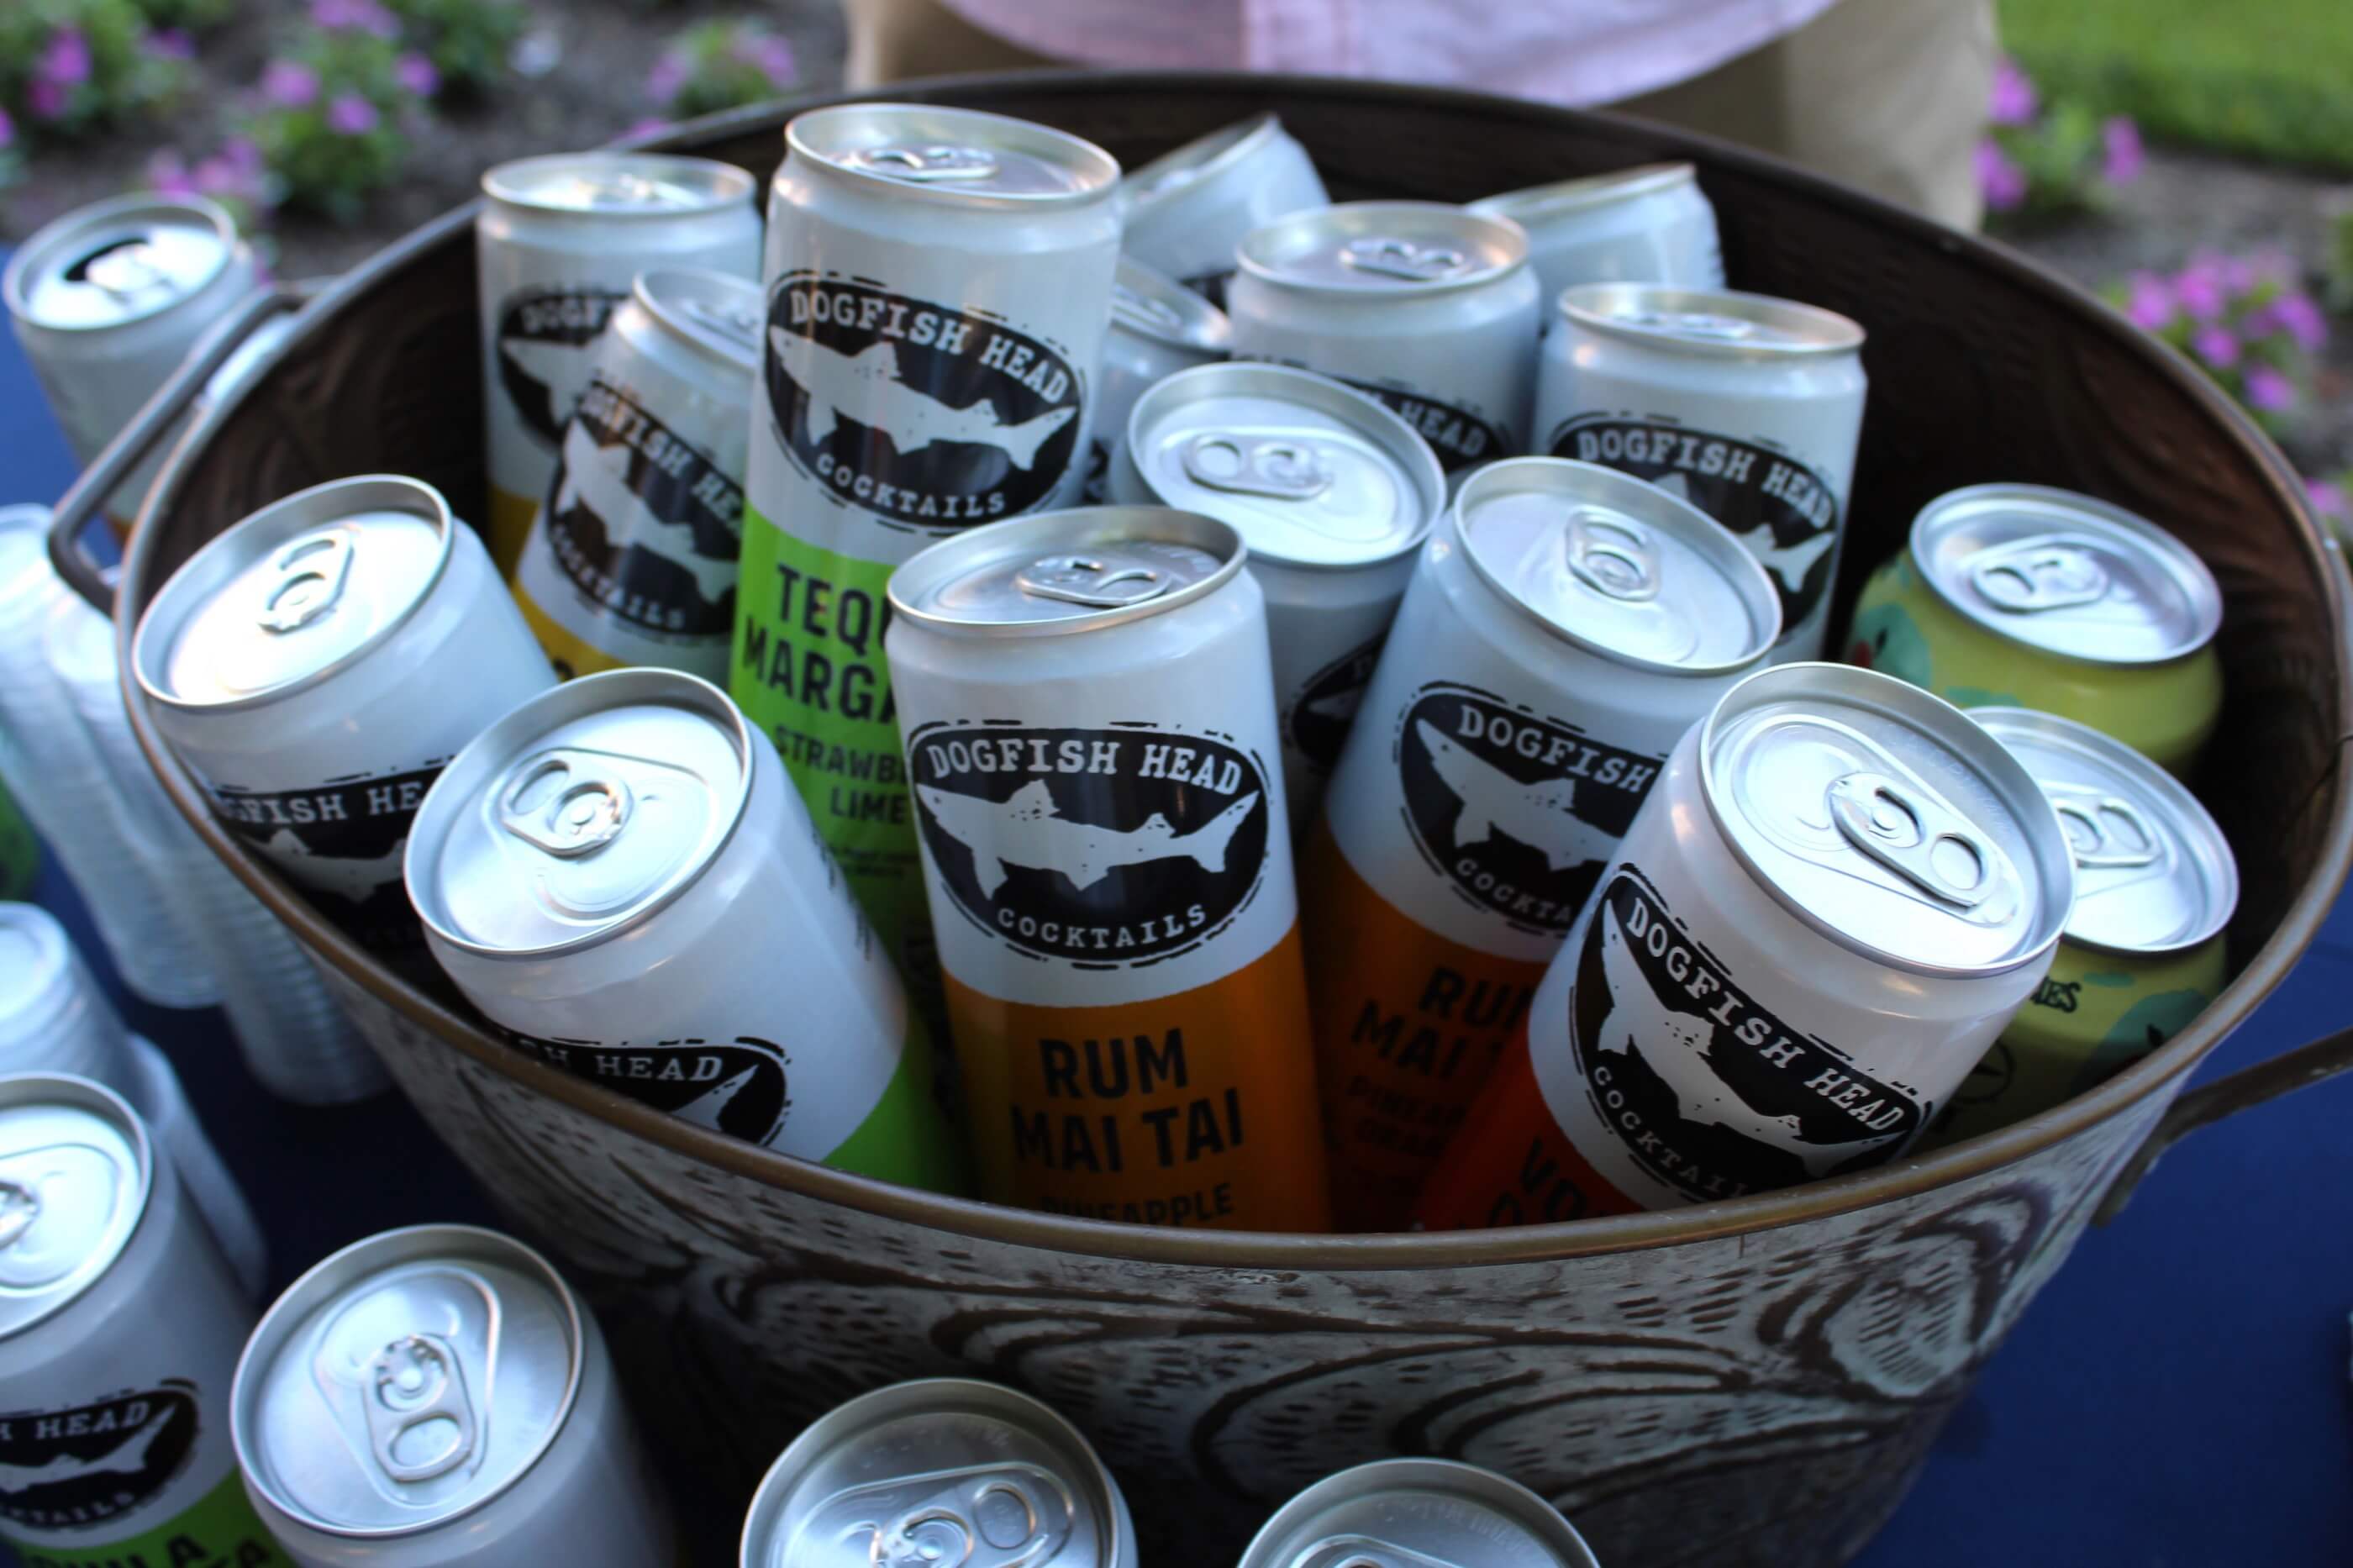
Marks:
<point>437,1397</point>
<point>1158,327</point>
<point>1417,1513</point>
<point>631,559</point>
<point>1428,308</point>
<point>1746,407</point>
<point>1331,491</point>
<point>558,241</point>
<point>107,302</point>
<point>1187,211</point>
<point>1651,225</point>
<point>358,596</point>
<point>620,875</point>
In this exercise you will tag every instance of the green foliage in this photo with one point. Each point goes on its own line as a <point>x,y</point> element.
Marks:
<point>328,148</point>
<point>2337,255</point>
<point>721,65</point>
<point>71,66</point>
<point>466,40</point>
<point>187,15</point>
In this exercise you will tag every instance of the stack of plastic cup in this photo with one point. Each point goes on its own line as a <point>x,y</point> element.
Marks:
<point>54,1018</point>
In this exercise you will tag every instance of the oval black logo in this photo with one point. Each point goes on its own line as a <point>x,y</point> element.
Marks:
<point>739,1087</point>
<point>1102,847</point>
<point>1458,436</point>
<point>1709,1092</point>
<point>343,843</point>
<point>1519,813</point>
<point>1316,724</point>
<point>1781,510</point>
<point>924,416</point>
<point>543,338</point>
<point>63,1469</point>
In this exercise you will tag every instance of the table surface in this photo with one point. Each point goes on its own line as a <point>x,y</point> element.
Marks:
<point>2178,1396</point>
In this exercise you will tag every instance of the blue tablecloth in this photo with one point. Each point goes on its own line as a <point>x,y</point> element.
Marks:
<point>2178,1396</point>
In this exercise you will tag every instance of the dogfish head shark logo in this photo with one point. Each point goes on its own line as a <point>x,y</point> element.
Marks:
<point>1102,847</point>
<point>1317,723</point>
<point>60,1470</point>
<point>543,352</point>
<point>1518,812</point>
<point>926,417</point>
<point>739,1086</point>
<point>342,842</point>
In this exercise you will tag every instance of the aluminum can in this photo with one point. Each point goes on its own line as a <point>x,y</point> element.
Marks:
<point>1748,406</point>
<point>1331,493</point>
<point>1417,1513</point>
<point>2142,953</point>
<point>358,596</point>
<point>938,283</point>
<point>119,1334</point>
<point>1187,211</point>
<point>1089,718</point>
<point>1431,309</point>
<point>20,852</point>
<point>1158,327</point>
<point>620,875</point>
<point>1648,224</point>
<point>558,241</point>
<point>106,302</point>
<point>1561,634</point>
<point>437,1397</point>
<point>2020,596</point>
<point>631,560</point>
<point>941,1470</point>
<point>1835,898</point>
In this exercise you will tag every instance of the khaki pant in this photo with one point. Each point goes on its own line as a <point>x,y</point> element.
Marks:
<point>1886,95</point>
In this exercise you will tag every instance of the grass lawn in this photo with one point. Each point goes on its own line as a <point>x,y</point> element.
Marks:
<point>2269,78</point>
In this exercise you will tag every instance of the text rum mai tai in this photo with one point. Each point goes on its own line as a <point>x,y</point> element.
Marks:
<point>937,284</point>
<point>1088,710</point>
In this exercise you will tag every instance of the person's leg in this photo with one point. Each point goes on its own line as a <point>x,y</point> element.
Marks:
<point>893,40</point>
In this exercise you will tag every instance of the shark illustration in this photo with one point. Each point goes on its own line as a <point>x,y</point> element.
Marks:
<point>1340,707</point>
<point>1030,830</point>
<point>1540,815</point>
<point>127,1458</point>
<point>1789,563</point>
<point>351,878</point>
<point>562,368</point>
<point>597,478</point>
<point>866,390</point>
<point>705,1108</point>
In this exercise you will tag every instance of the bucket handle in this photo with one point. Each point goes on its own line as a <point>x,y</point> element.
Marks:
<point>80,504</point>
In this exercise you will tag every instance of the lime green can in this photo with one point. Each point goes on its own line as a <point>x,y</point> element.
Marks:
<point>2023,596</point>
<point>20,852</point>
<point>2142,953</point>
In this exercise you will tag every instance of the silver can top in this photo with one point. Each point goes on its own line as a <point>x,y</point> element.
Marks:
<point>617,184</point>
<point>1151,304</point>
<point>1717,323</point>
<point>2153,873</point>
<point>1311,472</point>
<point>301,589</point>
<point>118,261</point>
<point>924,151</point>
<point>579,814</point>
<point>406,1381</point>
<point>1574,198</point>
<point>1417,1513</point>
<point>941,1470</point>
<point>1885,819</point>
<point>1383,248</point>
<point>1204,158</point>
<point>2066,574</point>
<point>1061,572</point>
<point>76,1170</point>
<point>716,312</point>
<point>1616,566</point>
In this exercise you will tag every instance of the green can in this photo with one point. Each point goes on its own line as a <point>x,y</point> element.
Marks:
<point>2027,596</point>
<point>2142,953</point>
<point>20,852</point>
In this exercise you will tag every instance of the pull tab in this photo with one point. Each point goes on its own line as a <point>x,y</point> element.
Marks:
<point>1369,1552</point>
<point>567,803</point>
<point>1394,257</point>
<point>1611,553</point>
<point>1105,582</point>
<point>19,1207</point>
<point>307,578</point>
<point>925,166</point>
<point>738,327</point>
<point>414,1383</point>
<point>126,271</point>
<point>1273,467</point>
<point>1144,312</point>
<point>991,1520</point>
<point>1698,326</point>
<point>1902,827</point>
<point>2029,576</point>
<point>2085,815</point>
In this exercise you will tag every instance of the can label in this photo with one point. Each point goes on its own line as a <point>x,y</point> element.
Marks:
<point>741,1087</point>
<point>86,1464</point>
<point>1458,436</point>
<point>218,1531</point>
<point>543,341</point>
<point>342,840</point>
<point>1315,722</point>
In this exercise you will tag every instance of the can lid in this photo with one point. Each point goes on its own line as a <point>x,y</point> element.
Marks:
<point>944,1470</point>
<point>1201,159</point>
<point>118,261</point>
<point>1060,572</point>
<point>1311,473</point>
<point>2153,873</point>
<point>1386,248</point>
<point>1566,198</point>
<point>1719,324</point>
<point>1417,1513</point>
<point>2066,574</point>
<point>579,813</point>
<point>1151,304</point>
<point>1881,816</point>
<point>1615,565</point>
<point>76,1170</point>
<point>298,590</point>
<point>617,185</point>
<point>927,152</point>
<point>716,312</point>
<point>406,1380</point>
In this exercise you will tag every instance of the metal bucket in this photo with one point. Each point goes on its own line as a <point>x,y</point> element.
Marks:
<point>1746,1382</point>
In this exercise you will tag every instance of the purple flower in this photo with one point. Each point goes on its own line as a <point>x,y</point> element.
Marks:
<point>289,84</point>
<point>67,60</point>
<point>2200,288</point>
<point>669,74</point>
<point>769,53</point>
<point>7,131</point>
<point>2328,499</point>
<point>2218,346</point>
<point>2301,317</point>
<point>2121,140</point>
<point>415,73</point>
<point>2269,391</point>
<point>2012,100</point>
<point>361,16</point>
<point>243,154</point>
<point>169,174</point>
<point>352,115</point>
<point>2002,182</point>
<point>2149,302</point>
<point>171,44</point>
<point>47,99</point>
